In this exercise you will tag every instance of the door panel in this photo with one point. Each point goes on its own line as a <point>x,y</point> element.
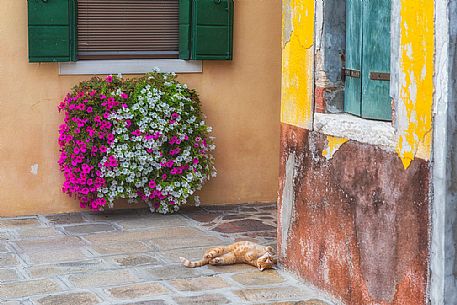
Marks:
<point>353,85</point>
<point>376,102</point>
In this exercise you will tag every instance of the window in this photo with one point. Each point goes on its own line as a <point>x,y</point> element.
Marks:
<point>368,59</point>
<point>68,30</point>
<point>119,29</point>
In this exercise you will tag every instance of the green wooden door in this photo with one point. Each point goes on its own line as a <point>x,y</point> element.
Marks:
<point>368,50</point>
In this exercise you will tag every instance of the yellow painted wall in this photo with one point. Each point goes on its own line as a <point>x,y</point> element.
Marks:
<point>414,111</point>
<point>241,99</point>
<point>298,63</point>
<point>416,80</point>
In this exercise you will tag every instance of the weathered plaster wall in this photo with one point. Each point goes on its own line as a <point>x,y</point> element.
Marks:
<point>443,211</point>
<point>241,99</point>
<point>297,62</point>
<point>451,222</point>
<point>354,218</point>
<point>443,283</point>
<point>359,226</point>
<point>414,108</point>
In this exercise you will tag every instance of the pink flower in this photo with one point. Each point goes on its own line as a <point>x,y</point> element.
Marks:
<point>92,93</point>
<point>109,79</point>
<point>102,96</point>
<point>157,135</point>
<point>136,133</point>
<point>175,151</point>
<point>86,168</point>
<point>77,130</point>
<point>173,140</point>
<point>124,96</point>
<point>152,184</point>
<point>174,115</point>
<point>102,149</point>
<point>195,161</point>
<point>164,177</point>
<point>128,123</point>
<point>125,106</point>
<point>89,109</point>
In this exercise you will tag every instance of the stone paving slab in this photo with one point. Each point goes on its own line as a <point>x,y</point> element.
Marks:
<point>132,257</point>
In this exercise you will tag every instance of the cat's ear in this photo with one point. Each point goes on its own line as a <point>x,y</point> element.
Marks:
<point>269,249</point>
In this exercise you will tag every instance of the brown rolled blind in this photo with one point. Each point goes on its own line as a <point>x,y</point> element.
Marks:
<point>109,29</point>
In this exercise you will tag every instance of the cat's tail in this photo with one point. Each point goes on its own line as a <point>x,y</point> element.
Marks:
<point>190,264</point>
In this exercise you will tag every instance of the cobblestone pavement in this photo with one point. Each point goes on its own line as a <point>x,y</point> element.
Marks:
<point>132,257</point>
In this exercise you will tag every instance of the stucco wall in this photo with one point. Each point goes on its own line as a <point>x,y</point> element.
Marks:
<point>241,99</point>
<point>353,221</point>
<point>354,218</point>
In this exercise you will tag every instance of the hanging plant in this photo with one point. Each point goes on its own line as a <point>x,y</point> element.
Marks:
<point>142,139</point>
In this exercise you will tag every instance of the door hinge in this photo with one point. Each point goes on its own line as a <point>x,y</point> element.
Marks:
<point>351,73</point>
<point>380,76</point>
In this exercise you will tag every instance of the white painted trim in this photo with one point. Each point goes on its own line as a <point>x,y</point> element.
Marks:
<point>343,125</point>
<point>129,66</point>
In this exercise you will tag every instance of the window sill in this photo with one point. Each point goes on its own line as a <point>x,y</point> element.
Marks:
<point>347,126</point>
<point>130,66</point>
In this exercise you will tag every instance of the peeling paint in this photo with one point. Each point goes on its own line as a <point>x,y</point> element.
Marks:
<point>297,63</point>
<point>416,80</point>
<point>333,145</point>
<point>34,169</point>
<point>360,228</point>
<point>288,199</point>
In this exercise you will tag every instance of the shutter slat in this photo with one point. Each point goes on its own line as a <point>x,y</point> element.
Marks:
<point>135,26</point>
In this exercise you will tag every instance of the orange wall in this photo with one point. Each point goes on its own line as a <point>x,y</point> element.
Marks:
<point>241,99</point>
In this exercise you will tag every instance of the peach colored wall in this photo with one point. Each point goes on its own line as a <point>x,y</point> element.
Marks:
<point>241,99</point>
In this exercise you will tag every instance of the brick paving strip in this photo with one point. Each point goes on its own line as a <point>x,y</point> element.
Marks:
<point>132,257</point>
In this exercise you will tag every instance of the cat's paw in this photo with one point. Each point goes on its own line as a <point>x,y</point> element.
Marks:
<point>216,261</point>
<point>211,254</point>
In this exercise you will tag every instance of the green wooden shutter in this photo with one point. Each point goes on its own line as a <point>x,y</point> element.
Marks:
<point>206,29</point>
<point>185,10</point>
<point>353,82</point>
<point>376,102</point>
<point>368,59</point>
<point>52,30</point>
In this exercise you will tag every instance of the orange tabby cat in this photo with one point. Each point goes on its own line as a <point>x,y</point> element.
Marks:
<point>240,252</point>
